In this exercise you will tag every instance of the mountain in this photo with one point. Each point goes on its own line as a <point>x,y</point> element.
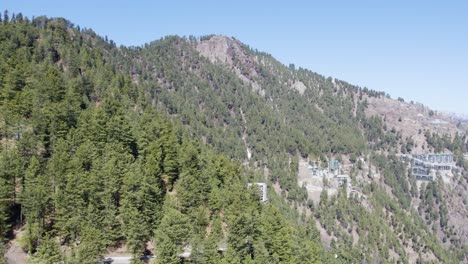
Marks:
<point>459,117</point>
<point>151,149</point>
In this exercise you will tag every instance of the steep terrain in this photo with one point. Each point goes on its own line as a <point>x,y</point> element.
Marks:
<point>306,108</point>
<point>106,148</point>
<point>410,122</point>
<point>412,119</point>
<point>416,123</point>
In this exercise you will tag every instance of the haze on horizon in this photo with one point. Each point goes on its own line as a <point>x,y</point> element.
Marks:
<point>415,50</point>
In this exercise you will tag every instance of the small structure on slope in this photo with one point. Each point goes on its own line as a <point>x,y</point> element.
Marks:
<point>263,189</point>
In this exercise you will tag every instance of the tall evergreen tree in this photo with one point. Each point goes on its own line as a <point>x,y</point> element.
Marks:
<point>35,200</point>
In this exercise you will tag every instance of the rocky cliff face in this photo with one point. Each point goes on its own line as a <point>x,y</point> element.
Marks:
<point>221,49</point>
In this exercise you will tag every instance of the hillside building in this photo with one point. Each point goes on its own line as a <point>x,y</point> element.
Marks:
<point>424,166</point>
<point>263,190</point>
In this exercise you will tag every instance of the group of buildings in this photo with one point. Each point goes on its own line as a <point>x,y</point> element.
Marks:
<point>424,166</point>
<point>332,171</point>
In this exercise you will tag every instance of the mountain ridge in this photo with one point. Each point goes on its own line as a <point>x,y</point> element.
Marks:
<point>154,124</point>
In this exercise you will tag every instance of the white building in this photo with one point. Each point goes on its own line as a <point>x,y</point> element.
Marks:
<point>263,188</point>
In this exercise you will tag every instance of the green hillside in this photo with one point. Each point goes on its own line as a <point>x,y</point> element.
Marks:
<point>152,148</point>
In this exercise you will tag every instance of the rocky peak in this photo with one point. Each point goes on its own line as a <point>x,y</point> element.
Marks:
<point>221,49</point>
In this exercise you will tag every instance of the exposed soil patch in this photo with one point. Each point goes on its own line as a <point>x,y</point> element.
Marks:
<point>15,254</point>
<point>412,119</point>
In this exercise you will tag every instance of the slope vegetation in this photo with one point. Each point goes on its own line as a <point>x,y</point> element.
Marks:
<point>103,146</point>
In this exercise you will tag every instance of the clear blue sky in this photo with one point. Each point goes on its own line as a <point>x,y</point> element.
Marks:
<point>414,49</point>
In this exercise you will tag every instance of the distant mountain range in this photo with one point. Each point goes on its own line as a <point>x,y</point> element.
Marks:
<point>460,117</point>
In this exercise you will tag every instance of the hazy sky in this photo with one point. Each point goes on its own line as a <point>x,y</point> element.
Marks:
<point>414,49</point>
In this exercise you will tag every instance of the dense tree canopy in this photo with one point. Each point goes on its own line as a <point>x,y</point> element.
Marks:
<point>102,146</point>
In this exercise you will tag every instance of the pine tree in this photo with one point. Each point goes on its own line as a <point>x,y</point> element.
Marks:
<point>48,250</point>
<point>35,198</point>
<point>242,235</point>
<point>10,164</point>
<point>142,198</point>
<point>276,235</point>
<point>192,187</point>
<point>171,235</point>
<point>170,146</point>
